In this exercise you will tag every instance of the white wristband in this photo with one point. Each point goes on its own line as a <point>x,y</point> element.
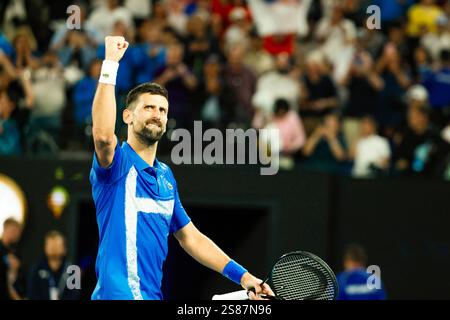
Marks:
<point>108,74</point>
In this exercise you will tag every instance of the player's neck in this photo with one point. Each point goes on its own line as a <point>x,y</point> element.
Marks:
<point>147,153</point>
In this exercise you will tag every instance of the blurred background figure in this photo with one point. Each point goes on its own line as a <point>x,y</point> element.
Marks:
<point>48,277</point>
<point>421,150</point>
<point>241,81</point>
<point>289,124</point>
<point>438,85</point>
<point>325,149</point>
<point>319,94</point>
<point>10,286</point>
<point>176,77</point>
<point>49,87</point>
<point>272,85</point>
<point>354,281</point>
<point>371,153</point>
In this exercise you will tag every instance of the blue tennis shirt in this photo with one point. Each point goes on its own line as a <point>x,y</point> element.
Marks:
<point>137,208</point>
<point>353,286</point>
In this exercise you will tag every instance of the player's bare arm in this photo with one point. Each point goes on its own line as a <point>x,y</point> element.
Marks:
<point>104,106</point>
<point>206,252</point>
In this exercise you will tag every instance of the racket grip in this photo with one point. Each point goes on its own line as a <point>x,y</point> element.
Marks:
<point>236,295</point>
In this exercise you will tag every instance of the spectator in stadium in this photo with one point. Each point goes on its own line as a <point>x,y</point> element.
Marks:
<point>355,283</point>
<point>48,276</point>
<point>238,31</point>
<point>422,18</point>
<point>199,44</point>
<point>390,66</point>
<point>150,53</point>
<point>289,124</point>
<point>273,85</point>
<point>417,96</point>
<point>17,99</point>
<point>9,130</point>
<point>24,48</point>
<point>338,37</point>
<point>421,149</point>
<point>363,85</point>
<point>445,133</point>
<point>5,45</point>
<point>371,153</point>
<point>105,17</point>
<point>242,83</point>
<point>422,63</point>
<point>256,57</point>
<point>83,97</point>
<point>279,23</point>
<point>392,11</point>
<point>177,18</point>
<point>318,92</point>
<point>435,42</point>
<point>438,85</point>
<point>212,98</point>
<point>49,87</point>
<point>325,148</point>
<point>176,77</point>
<point>77,45</point>
<point>9,262</point>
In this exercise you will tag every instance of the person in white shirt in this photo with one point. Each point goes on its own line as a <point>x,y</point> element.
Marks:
<point>105,17</point>
<point>273,85</point>
<point>338,37</point>
<point>371,153</point>
<point>435,42</point>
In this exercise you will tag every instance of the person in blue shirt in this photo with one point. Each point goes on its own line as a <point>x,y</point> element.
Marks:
<point>438,86</point>
<point>83,94</point>
<point>355,282</point>
<point>136,196</point>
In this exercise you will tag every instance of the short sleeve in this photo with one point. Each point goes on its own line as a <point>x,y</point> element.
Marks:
<point>385,149</point>
<point>116,170</point>
<point>179,218</point>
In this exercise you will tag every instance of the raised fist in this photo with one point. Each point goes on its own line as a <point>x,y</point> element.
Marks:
<point>115,48</point>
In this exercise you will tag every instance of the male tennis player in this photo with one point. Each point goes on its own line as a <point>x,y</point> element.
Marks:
<point>136,196</point>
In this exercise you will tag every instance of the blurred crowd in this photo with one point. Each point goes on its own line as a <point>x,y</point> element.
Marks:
<point>347,97</point>
<point>47,278</point>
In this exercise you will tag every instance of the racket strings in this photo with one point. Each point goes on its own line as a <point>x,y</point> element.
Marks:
<point>299,277</point>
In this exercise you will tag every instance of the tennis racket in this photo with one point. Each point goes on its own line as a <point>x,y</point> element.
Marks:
<point>298,275</point>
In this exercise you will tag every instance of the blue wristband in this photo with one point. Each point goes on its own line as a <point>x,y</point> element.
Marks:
<point>234,271</point>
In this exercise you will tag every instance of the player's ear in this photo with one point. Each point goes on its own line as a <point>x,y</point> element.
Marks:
<point>127,116</point>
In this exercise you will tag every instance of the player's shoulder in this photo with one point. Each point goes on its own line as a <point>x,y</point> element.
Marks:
<point>165,169</point>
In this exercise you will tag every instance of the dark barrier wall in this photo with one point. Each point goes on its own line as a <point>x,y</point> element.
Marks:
<point>403,223</point>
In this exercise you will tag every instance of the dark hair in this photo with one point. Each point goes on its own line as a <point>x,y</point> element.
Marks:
<point>11,222</point>
<point>148,87</point>
<point>370,118</point>
<point>281,105</point>
<point>54,234</point>
<point>445,55</point>
<point>356,253</point>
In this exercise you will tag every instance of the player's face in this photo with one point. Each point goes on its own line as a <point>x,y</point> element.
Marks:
<point>150,118</point>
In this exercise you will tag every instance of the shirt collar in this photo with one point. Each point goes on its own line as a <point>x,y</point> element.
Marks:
<point>139,163</point>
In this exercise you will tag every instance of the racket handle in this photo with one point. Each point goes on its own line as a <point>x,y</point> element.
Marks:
<point>236,295</point>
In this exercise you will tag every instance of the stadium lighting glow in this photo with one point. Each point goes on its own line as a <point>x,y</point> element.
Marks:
<point>12,201</point>
<point>57,200</point>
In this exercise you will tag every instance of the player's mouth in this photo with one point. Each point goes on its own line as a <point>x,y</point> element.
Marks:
<point>153,124</point>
